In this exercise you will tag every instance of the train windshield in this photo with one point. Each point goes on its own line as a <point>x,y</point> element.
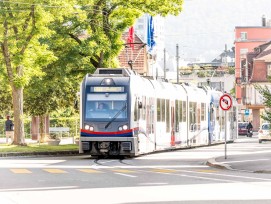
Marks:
<point>105,106</point>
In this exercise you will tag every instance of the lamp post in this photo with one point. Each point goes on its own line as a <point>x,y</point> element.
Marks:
<point>177,60</point>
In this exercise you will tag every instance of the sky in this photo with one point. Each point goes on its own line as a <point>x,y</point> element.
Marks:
<point>205,26</point>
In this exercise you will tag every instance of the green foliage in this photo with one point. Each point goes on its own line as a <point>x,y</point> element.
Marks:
<point>264,90</point>
<point>231,70</point>
<point>52,45</point>
<point>5,97</point>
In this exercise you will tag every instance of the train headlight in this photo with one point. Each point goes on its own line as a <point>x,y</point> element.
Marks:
<point>88,127</point>
<point>123,127</point>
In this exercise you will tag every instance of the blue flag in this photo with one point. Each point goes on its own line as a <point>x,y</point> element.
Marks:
<point>150,34</point>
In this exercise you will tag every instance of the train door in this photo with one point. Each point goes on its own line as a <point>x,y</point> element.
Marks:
<point>172,142</point>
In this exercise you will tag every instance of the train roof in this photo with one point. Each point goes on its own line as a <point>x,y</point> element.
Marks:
<point>113,72</point>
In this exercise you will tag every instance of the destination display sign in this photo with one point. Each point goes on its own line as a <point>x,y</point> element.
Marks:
<point>107,89</point>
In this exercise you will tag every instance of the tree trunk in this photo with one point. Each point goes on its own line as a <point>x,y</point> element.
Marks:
<point>17,97</point>
<point>44,127</point>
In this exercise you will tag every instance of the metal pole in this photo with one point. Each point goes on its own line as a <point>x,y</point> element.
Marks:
<point>177,60</point>
<point>225,134</point>
<point>164,63</point>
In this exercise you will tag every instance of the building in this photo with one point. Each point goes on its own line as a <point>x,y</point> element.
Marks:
<point>134,55</point>
<point>246,39</point>
<point>257,71</point>
<point>216,74</point>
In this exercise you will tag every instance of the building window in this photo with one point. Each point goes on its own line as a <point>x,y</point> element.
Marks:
<point>243,51</point>
<point>243,36</point>
<point>269,70</point>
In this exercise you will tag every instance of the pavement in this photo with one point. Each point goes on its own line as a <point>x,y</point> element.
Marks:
<point>64,141</point>
<point>245,154</point>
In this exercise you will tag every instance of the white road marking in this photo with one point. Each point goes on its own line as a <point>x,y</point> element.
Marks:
<point>125,175</point>
<point>242,161</point>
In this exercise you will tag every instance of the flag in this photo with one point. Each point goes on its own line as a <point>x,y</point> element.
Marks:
<point>130,39</point>
<point>150,34</point>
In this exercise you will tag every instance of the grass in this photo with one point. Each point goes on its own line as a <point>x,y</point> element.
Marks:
<point>6,148</point>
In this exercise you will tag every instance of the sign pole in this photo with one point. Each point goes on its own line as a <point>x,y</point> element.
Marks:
<point>225,134</point>
<point>225,103</point>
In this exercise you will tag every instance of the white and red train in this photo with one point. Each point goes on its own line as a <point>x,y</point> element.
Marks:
<point>142,115</point>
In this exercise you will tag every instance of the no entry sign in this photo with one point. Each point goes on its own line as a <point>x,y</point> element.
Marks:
<point>225,102</point>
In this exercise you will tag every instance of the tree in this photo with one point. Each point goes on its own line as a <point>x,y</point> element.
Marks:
<point>266,93</point>
<point>83,41</point>
<point>97,39</point>
<point>5,97</point>
<point>22,26</point>
<point>71,37</point>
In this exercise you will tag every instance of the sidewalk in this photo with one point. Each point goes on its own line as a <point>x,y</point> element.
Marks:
<point>42,150</point>
<point>68,140</point>
<point>245,154</point>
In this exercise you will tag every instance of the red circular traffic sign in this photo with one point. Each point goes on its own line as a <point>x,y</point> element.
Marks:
<point>225,102</point>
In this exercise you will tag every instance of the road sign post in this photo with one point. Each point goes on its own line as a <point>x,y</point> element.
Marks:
<point>225,104</point>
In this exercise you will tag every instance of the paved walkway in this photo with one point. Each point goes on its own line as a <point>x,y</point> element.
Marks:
<point>30,141</point>
<point>245,154</point>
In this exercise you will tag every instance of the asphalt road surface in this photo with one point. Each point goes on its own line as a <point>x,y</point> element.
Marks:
<point>169,177</point>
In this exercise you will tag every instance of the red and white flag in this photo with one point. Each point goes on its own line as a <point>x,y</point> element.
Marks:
<point>131,36</point>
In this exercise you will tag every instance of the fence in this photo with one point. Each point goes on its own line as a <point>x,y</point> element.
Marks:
<point>27,127</point>
<point>72,124</point>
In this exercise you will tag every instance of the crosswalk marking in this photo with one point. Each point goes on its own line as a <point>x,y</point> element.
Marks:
<point>55,171</point>
<point>123,171</point>
<point>206,170</point>
<point>89,171</point>
<point>164,170</point>
<point>20,171</point>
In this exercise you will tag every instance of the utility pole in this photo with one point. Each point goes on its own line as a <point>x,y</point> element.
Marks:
<point>177,60</point>
<point>164,63</point>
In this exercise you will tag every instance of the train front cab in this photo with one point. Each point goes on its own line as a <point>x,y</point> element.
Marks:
<point>216,119</point>
<point>106,132</point>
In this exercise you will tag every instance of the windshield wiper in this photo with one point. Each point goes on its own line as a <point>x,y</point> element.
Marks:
<point>115,116</point>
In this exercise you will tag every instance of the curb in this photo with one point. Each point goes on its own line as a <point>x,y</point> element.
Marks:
<point>213,163</point>
<point>25,154</point>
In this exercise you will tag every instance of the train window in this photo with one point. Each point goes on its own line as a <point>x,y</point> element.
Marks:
<point>192,115</point>
<point>158,108</point>
<point>163,108</point>
<point>143,108</point>
<point>167,116</point>
<point>203,112</point>
<point>112,104</point>
<point>177,115</point>
<point>152,113</point>
<point>136,110</point>
<point>184,111</point>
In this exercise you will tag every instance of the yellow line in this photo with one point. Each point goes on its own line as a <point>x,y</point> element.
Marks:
<point>20,171</point>
<point>206,170</point>
<point>55,171</point>
<point>89,171</point>
<point>123,171</point>
<point>164,170</point>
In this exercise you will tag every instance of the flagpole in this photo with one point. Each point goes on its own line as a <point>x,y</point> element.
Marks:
<point>177,60</point>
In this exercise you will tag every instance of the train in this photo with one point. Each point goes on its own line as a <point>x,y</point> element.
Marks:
<point>125,114</point>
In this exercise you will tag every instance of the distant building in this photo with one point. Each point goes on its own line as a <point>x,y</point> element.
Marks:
<point>134,55</point>
<point>246,40</point>
<point>215,74</point>
<point>257,71</point>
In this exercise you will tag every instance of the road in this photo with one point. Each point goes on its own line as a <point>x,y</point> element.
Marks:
<point>169,177</point>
